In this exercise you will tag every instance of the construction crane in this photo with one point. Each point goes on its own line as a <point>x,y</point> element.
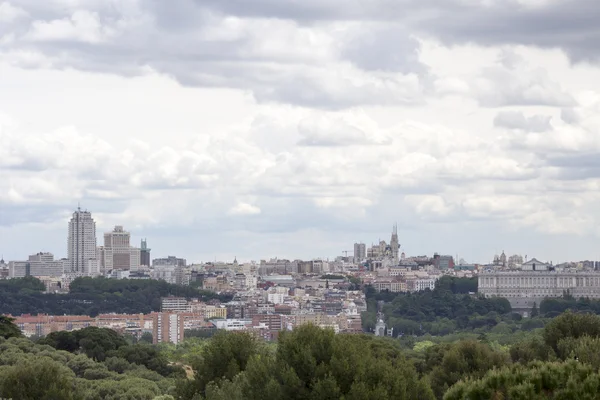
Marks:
<point>346,251</point>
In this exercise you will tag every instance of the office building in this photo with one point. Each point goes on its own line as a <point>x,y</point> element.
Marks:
<point>81,246</point>
<point>117,253</point>
<point>174,304</point>
<point>443,262</point>
<point>38,265</point>
<point>144,254</point>
<point>360,252</point>
<point>169,261</point>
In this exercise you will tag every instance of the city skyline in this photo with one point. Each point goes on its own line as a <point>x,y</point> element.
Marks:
<point>130,254</point>
<point>218,130</point>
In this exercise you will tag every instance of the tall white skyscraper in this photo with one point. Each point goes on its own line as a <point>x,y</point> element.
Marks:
<point>81,242</point>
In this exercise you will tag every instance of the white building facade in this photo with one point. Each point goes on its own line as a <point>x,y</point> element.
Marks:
<point>38,265</point>
<point>539,284</point>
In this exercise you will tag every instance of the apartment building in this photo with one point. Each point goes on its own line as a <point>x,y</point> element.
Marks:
<point>167,327</point>
<point>174,304</point>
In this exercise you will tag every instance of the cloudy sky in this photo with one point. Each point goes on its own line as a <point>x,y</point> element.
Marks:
<point>293,128</point>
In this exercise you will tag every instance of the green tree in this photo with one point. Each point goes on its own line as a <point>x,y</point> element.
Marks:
<point>42,379</point>
<point>147,355</point>
<point>534,311</point>
<point>531,349</point>
<point>92,341</point>
<point>535,381</point>
<point>311,363</point>
<point>584,349</point>
<point>226,355</point>
<point>117,364</point>
<point>227,390</point>
<point>146,338</point>
<point>307,350</point>
<point>571,325</point>
<point>61,340</point>
<point>80,363</point>
<point>464,359</point>
<point>129,389</point>
<point>7,327</point>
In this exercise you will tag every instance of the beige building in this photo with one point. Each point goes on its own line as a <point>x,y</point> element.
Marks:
<point>539,284</point>
<point>536,281</point>
<point>117,253</point>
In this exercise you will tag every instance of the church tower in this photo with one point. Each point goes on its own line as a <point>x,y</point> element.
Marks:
<point>395,246</point>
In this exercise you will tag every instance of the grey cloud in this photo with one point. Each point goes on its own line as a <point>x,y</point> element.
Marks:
<point>197,46</point>
<point>570,116</point>
<point>390,48</point>
<point>517,120</point>
<point>571,25</point>
<point>568,24</point>
<point>313,10</point>
<point>575,166</point>
<point>173,40</point>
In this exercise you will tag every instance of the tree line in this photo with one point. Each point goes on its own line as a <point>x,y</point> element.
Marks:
<point>560,361</point>
<point>92,296</point>
<point>89,364</point>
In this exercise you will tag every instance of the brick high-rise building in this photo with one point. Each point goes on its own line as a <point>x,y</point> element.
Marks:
<point>272,321</point>
<point>167,328</point>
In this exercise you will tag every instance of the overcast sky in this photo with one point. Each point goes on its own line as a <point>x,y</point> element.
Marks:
<point>293,128</point>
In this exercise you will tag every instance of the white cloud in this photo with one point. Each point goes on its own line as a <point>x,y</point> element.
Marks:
<point>517,120</point>
<point>81,26</point>
<point>244,209</point>
<point>352,128</point>
<point>9,13</point>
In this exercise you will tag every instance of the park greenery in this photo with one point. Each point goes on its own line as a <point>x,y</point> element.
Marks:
<point>92,296</point>
<point>559,361</point>
<point>452,306</point>
<point>90,364</point>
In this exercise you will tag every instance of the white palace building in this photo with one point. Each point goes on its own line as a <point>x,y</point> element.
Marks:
<point>535,281</point>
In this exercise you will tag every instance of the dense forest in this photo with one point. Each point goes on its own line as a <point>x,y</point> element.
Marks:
<point>91,296</point>
<point>559,361</point>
